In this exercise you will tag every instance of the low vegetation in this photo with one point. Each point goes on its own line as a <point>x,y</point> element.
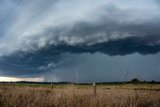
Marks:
<point>121,95</point>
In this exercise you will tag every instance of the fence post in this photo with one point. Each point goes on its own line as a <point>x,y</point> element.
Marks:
<point>51,85</point>
<point>94,89</point>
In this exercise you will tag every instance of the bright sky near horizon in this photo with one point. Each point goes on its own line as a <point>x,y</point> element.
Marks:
<point>15,79</point>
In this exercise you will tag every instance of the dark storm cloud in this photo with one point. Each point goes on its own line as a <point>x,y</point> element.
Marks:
<point>128,45</point>
<point>47,59</point>
<point>118,27</point>
<point>21,63</point>
<point>79,23</point>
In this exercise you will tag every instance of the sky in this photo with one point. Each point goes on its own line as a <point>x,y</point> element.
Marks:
<point>79,40</point>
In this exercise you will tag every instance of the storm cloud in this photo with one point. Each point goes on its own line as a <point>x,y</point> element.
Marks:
<point>111,27</point>
<point>83,22</point>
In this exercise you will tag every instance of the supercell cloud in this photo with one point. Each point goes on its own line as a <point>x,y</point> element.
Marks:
<point>111,27</point>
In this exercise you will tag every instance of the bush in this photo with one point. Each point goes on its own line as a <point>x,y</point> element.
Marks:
<point>135,80</point>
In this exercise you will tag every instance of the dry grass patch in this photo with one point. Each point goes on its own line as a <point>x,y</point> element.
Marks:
<point>75,96</point>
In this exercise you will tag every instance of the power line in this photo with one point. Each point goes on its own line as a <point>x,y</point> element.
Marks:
<point>10,12</point>
<point>29,20</point>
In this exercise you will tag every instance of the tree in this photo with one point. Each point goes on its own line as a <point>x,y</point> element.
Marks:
<point>135,80</point>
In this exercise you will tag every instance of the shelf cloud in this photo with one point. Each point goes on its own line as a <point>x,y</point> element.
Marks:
<point>31,43</point>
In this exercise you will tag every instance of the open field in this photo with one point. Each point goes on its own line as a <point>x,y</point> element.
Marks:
<point>124,95</point>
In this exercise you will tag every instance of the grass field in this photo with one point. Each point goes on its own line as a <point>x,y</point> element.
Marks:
<point>40,95</point>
